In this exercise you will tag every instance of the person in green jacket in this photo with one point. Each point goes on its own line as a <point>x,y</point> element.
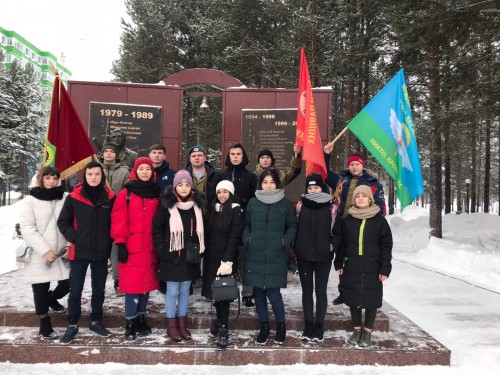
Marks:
<point>270,227</point>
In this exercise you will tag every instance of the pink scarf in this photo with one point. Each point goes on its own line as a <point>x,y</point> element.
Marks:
<point>177,229</point>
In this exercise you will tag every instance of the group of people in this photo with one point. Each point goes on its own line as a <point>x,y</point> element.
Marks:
<point>146,219</point>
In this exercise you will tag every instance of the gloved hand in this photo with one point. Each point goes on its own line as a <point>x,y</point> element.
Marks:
<point>122,253</point>
<point>225,268</point>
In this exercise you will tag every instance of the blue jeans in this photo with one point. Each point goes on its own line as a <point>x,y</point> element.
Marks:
<point>274,296</point>
<point>135,304</point>
<point>177,291</point>
<point>77,272</point>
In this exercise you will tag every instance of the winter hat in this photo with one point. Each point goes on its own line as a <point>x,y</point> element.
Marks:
<point>225,184</point>
<point>356,156</point>
<point>265,152</point>
<point>363,189</point>
<point>183,176</point>
<point>110,146</point>
<point>196,149</point>
<point>316,179</point>
<point>137,163</point>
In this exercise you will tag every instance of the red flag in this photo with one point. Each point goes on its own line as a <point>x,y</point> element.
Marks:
<point>307,133</point>
<point>67,146</point>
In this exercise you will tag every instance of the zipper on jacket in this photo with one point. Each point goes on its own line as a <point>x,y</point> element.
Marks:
<point>361,253</point>
<point>267,243</point>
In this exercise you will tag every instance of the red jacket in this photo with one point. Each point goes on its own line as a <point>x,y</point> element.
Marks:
<point>132,225</point>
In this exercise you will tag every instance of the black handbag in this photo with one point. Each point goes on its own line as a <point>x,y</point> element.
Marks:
<point>225,289</point>
<point>193,255</point>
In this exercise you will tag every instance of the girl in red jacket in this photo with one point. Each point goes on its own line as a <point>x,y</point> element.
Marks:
<point>132,230</point>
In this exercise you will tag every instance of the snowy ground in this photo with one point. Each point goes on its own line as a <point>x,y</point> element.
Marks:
<point>450,287</point>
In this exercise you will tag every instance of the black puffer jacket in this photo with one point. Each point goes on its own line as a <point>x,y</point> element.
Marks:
<point>221,246</point>
<point>364,262</point>
<point>173,266</point>
<point>244,181</point>
<point>313,239</point>
<point>86,225</point>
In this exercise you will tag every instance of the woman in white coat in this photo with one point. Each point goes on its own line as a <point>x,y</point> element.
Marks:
<point>38,222</point>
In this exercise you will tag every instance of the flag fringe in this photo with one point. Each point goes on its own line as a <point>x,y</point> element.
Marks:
<point>77,166</point>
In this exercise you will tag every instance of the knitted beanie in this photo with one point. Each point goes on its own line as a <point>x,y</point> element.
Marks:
<point>316,179</point>
<point>225,184</point>
<point>182,176</point>
<point>356,156</point>
<point>365,190</point>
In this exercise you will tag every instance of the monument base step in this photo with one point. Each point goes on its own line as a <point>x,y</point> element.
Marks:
<point>406,344</point>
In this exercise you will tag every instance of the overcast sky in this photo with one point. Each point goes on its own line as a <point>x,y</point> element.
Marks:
<point>87,32</point>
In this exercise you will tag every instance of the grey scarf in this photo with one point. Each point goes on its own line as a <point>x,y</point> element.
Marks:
<point>364,213</point>
<point>318,197</point>
<point>270,196</point>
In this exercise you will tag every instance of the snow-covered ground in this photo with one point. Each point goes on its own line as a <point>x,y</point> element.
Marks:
<point>450,287</point>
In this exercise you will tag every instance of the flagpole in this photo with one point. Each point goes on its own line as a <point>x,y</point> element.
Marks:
<point>338,136</point>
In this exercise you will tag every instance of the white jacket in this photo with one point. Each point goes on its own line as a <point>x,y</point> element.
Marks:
<point>36,217</point>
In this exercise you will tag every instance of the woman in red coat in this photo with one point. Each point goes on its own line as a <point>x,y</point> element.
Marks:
<point>132,230</point>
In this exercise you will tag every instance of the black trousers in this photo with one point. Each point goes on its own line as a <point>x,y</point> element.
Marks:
<point>77,273</point>
<point>314,278</point>
<point>42,295</point>
<point>370,315</point>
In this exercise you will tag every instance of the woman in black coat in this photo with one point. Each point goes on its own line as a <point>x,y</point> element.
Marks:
<point>178,222</point>
<point>363,262</point>
<point>314,255</point>
<point>225,224</point>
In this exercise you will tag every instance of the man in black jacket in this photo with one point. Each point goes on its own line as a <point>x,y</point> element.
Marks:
<point>85,221</point>
<point>204,174</point>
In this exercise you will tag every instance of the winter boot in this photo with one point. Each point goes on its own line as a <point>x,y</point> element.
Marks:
<point>182,321</point>
<point>319,330</point>
<point>214,330</point>
<point>308,331</point>
<point>339,300</point>
<point>55,305</point>
<point>356,335</point>
<point>46,332</point>
<point>280,336</point>
<point>130,333</point>
<point>263,334</point>
<point>141,326</point>
<point>366,339</point>
<point>173,330</point>
<point>248,301</point>
<point>223,338</point>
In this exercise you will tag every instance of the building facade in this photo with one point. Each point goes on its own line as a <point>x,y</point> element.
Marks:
<point>17,48</point>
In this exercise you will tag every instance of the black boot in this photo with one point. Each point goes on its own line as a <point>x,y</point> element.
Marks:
<point>130,333</point>
<point>248,301</point>
<point>55,305</point>
<point>263,334</point>
<point>308,331</point>
<point>339,300</point>
<point>319,330</point>
<point>214,330</point>
<point>46,331</point>
<point>280,336</point>
<point>223,338</point>
<point>141,326</point>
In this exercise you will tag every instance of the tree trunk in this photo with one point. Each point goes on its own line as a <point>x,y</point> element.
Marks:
<point>349,115</point>
<point>447,156</point>
<point>459,181</point>
<point>391,196</point>
<point>473,180</point>
<point>487,167</point>
<point>435,189</point>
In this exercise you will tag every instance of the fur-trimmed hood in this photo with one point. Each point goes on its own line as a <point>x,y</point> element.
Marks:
<point>168,198</point>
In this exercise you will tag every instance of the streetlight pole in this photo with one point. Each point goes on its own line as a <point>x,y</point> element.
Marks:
<point>467,185</point>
